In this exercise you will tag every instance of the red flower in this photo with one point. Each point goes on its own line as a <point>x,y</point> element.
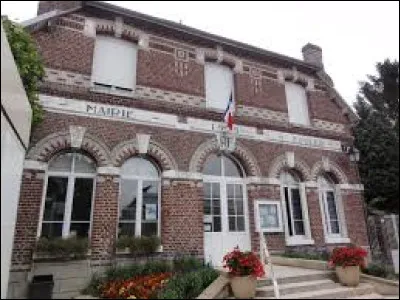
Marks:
<point>241,263</point>
<point>347,256</point>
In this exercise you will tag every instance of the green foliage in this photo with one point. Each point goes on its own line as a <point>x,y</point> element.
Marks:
<point>186,264</point>
<point>28,62</point>
<point>72,247</point>
<point>126,272</point>
<point>377,137</point>
<point>312,256</point>
<point>188,285</point>
<point>178,266</point>
<point>380,271</point>
<point>139,245</point>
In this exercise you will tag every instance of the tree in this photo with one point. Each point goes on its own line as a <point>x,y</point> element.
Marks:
<point>28,62</point>
<point>377,136</point>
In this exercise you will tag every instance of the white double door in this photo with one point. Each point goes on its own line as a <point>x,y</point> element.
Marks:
<point>226,222</point>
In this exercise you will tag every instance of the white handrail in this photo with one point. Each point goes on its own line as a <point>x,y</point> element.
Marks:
<point>265,258</point>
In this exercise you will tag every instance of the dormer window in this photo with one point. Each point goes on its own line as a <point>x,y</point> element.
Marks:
<point>114,63</point>
<point>297,104</point>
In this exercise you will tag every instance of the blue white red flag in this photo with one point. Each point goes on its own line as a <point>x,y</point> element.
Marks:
<point>228,115</point>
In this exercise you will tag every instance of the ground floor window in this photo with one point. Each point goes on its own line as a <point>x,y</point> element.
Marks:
<point>139,207</point>
<point>68,199</point>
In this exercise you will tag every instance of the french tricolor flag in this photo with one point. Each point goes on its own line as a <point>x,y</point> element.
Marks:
<point>228,115</point>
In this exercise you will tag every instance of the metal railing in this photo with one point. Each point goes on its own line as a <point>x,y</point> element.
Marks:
<point>266,260</point>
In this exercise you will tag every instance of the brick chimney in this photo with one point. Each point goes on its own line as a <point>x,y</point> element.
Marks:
<point>313,54</point>
<point>46,6</point>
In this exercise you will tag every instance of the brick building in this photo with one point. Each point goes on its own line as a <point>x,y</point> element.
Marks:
<point>131,141</point>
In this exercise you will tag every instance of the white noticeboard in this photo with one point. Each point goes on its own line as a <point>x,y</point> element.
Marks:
<point>151,212</point>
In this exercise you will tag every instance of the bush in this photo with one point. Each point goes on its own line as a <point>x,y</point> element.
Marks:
<point>72,247</point>
<point>139,245</point>
<point>189,285</point>
<point>186,264</point>
<point>380,271</point>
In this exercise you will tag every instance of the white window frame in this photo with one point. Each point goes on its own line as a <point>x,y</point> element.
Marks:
<point>139,202</point>
<point>293,111</point>
<point>295,240</point>
<point>342,236</point>
<point>209,103</point>
<point>259,202</point>
<point>106,86</point>
<point>71,176</point>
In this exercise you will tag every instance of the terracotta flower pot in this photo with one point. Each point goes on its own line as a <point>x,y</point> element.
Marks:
<point>349,276</point>
<point>244,287</point>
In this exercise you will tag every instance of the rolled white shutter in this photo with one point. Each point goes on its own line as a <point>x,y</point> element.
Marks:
<point>219,85</point>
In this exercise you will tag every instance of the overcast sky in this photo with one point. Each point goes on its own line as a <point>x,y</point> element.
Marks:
<point>353,35</point>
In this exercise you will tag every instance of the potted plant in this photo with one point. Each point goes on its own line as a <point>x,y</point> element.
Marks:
<point>61,248</point>
<point>347,262</point>
<point>244,268</point>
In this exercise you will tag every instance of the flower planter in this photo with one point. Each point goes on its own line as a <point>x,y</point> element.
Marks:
<point>244,287</point>
<point>349,275</point>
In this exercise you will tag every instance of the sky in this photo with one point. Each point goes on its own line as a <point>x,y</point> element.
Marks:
<point>354,36</point>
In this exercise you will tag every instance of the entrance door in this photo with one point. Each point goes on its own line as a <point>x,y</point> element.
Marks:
<point>226,223</point>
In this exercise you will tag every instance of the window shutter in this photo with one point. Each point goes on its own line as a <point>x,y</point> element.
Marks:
<point>297,103</point>
<point>114,62</point>
<point>219,85</point>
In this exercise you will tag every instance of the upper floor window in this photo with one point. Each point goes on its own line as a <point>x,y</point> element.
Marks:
<point>297,103</point>
<point>219,85</point>
<point>114,63</point>
<point>68,201</point>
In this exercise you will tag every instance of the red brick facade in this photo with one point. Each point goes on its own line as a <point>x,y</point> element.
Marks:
<point>68,47</point>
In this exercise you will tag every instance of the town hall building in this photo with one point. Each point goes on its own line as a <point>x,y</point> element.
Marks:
<point>133,141</point>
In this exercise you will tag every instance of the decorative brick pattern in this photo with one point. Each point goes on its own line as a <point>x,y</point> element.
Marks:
<point>280,163</point>
<point>182,217</point>
<point>319,169</point>
<point>247,159</point>
<point>323,108</point>
<point>65,77</point>
<point>261,113</point>
<point>28,215</point>
<point>157,69</point>
<point>105,217</point>
<point>47,147</point>
<point>325,125</point>
<point>65,50</point>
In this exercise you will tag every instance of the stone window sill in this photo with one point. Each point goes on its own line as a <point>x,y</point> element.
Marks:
<point>126,251</point>
<point>337,240</point>
<point>299,242</point>
<point>43,257</point>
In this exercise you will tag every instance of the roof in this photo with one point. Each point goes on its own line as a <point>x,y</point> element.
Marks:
<point>41,20</point>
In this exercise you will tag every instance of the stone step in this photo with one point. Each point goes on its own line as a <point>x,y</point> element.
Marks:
<point>317,275</point>
<point>339,292</point>
<point>296,287</point>
<point>368,296</point>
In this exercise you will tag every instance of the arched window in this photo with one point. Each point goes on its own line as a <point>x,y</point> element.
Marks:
<point>294,211</point>
<point>139,209</point>
<point>221,165</point>
<point>329,204</point>
<point>69,194</point>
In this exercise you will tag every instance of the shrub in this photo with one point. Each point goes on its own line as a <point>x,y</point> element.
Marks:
<point>348,256</point>
<point>243,263</point>
<point>383,271</point>
<point>188,285</point>
<point>71,247</point>
<point>185,264</point>
<point>139,245</point>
